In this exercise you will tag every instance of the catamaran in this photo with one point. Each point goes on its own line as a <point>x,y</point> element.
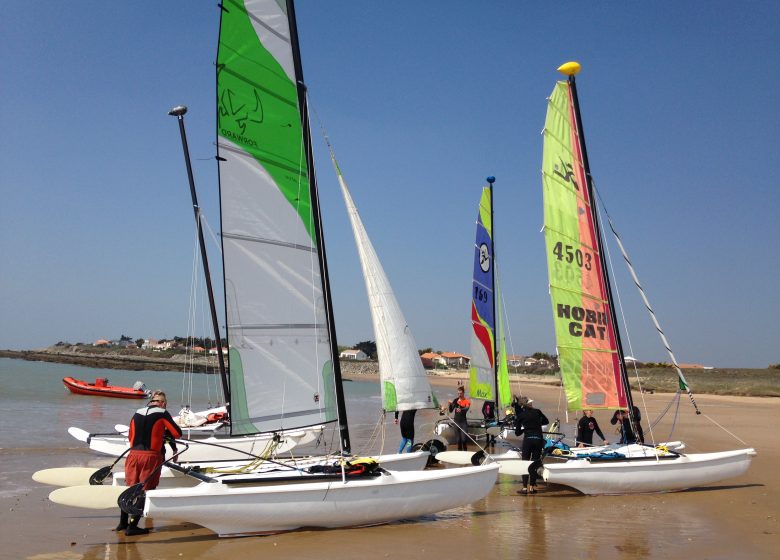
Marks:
<point>591,358</point>
<point>280,316</point>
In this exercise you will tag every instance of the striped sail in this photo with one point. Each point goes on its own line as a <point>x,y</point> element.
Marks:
<point>584,326</point>
<point>482,367</point>
<point>281,367</point>
<point>403,379</point>
<point>487,380</point>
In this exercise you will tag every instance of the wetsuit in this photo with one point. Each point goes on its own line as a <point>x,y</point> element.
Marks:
<point>147,438</point>
<point>460,407</point>
<point>489,414</point>
<point>407,430</point>
<point>626,433</point>
<point>585,428</point>
<point>529,422</point>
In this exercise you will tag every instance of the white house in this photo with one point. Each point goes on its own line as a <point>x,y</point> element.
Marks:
<point>455,359</point>
<point>353,354</point>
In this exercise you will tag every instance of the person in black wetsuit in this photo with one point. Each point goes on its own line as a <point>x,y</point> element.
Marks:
<point>626,433</point>
<point>407,430</point>
<point>529,422</point>
<point>460,406</point>
<point>585,428</point>
<point>489,414</point>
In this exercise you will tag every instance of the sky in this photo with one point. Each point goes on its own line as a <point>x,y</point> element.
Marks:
<point>422,101</point>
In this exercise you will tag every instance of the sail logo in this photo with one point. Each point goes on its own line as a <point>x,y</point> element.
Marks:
<point>239,115</point>
<point>584,323</point>
<point>484,257</point>
<point>567,174</point>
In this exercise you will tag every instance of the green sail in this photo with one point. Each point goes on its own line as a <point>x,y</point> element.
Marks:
<point>281,362</point>
<point>584,326</point>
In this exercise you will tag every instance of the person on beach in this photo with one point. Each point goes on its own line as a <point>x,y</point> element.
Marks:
<point>460,406</point>
<point>407,430</point>
<point>529,422</point>
<point>626,432</point>
<point>148,429</point>
<point>585,428</point>
<point>489,414</point>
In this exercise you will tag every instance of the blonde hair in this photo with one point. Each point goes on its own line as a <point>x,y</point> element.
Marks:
<point>158,396</point>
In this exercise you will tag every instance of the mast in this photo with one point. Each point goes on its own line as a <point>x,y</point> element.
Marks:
<point>179,112</point>
<point>570,69</point>
<point>490,181</point>
<point>303,104</point>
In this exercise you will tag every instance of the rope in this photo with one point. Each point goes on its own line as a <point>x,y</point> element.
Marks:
<point>725,430</point>
<point>658,328</point>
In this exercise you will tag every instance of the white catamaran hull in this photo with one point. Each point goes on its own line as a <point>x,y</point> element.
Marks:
<point>214,448</point>
<point>651,474</point>
<point>243,510</point>
<point>170,478</point>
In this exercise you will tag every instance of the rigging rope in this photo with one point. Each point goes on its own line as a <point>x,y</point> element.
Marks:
<point>683,382</point>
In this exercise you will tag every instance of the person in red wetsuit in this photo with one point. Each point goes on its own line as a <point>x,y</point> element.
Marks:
<point>148,429</point>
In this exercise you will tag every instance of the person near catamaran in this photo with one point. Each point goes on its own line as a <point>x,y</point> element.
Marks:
<point>528,423</point>
<point>149,428</point>
<point>460,406</point>
<point>626,432</point>
<point>585,428</point>
<point>407,430</point>
<point>489,414</point>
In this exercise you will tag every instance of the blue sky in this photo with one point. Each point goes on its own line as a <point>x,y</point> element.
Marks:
<point>422,100</point>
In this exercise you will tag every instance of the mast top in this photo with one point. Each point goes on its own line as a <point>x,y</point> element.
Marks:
<point>491,179</point>
<point>569,68</point>
<point>178,111</point>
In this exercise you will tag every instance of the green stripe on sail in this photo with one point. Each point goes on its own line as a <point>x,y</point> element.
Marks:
<point>238,407</point>
<point>477,389</point>
<point>258,108</point>
<point>484,211</point>
<point>390,397</point>
<point>329,391</point>
<point>504,390</point>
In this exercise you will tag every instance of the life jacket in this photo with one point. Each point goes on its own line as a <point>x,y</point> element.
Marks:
<point>216,417</point>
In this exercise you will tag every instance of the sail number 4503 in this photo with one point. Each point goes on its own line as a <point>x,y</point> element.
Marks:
<point>570,254</point>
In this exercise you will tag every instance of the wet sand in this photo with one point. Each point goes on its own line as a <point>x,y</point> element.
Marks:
<point>735,519</point>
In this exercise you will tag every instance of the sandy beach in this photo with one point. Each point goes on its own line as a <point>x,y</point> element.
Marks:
<point>736,519</point>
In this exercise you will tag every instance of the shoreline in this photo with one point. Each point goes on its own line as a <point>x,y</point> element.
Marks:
<point>726,382</point>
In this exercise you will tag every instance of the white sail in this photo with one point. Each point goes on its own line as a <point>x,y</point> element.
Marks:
<point>280,350</point>
<point>404,382</point>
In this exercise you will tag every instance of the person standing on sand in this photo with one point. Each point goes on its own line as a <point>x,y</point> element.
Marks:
<point>407,430</point>
<point>148,429</point>
<point>529,422</point>
<point>489,414</point>
<point>585,428</point>
<point>460,406</point>
<point>626,433</point>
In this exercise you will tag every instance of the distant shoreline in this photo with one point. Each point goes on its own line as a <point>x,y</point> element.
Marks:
<point>730,382</point>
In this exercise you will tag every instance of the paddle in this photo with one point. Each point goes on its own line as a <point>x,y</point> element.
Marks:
<point>100,475</point>
<point>89,497</point>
